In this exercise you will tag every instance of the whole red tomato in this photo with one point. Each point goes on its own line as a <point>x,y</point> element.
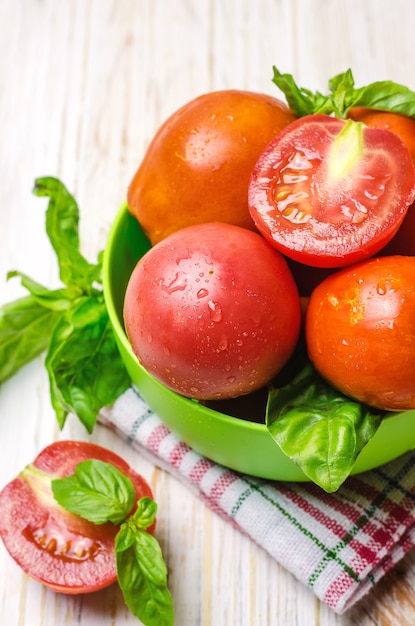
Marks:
<point>212,311</point>
<point>329,193</point>
<point>59,549</point>
<point>360,331</point>
<point>197,166</point>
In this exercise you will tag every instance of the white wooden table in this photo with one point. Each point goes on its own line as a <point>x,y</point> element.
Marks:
<point>83,86</point>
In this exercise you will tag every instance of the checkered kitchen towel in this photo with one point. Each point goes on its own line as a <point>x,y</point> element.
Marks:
<point>339,544</point>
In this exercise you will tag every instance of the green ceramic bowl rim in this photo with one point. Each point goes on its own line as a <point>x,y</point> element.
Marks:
<point>121,334</point>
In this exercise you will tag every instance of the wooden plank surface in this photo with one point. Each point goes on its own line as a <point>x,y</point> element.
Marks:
<point>83,86</point>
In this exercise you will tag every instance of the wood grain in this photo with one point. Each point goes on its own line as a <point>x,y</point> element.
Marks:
<point>84,85</point>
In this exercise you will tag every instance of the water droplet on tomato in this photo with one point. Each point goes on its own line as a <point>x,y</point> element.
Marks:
<point>202,293</point>
<point>215,311</point>
<point>179,283</point>
<point>223,345</point>
<point>381,287</point>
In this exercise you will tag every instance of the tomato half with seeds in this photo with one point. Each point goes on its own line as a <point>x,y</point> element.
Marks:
<point>328,192</point>
<point>59,549</point>
<point>360,331</point>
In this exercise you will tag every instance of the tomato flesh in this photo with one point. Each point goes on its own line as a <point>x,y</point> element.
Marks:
<point>212,311</point>
<point>329,193</point>
<point>59,549</point>
<point>360,331</point>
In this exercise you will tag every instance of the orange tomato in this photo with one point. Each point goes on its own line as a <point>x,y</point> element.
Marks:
<point>197,167</point>
<point>360,331</point>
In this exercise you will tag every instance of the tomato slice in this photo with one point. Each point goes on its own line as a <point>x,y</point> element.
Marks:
<point>57,548</point>
<point>328,192</point>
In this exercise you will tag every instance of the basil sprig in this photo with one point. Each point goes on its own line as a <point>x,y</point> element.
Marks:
<point>97,491</point>
<point>70,323</point>
<point>343,96</point>
<point>319,428</point>
<point>100,493</point>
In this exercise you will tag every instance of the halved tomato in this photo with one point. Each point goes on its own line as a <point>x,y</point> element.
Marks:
<point>328,192</point>
<point>57,548</point>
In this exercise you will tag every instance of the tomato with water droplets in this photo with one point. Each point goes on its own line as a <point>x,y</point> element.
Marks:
<point>197,166</point>
<point>212,311</point>
<point>328,192</point>
<point>360,331</point>
<point>60,549</point>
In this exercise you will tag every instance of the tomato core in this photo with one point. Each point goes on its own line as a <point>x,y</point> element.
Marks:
<point>347,149</point>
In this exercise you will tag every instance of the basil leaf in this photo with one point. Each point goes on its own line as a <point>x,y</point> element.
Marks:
<point>71,323</point>
<point>386,96</point>
<point>55,299</point>
<point>85,368</point>
<point>141,570</point>
<point>301,101</point>
<point>97,491</point>
<point>100,493</point>
<point>319,428</point>
<point>145,513</point>
<point>62,227</point>
<point>25,329</point>
<point>343,95</point>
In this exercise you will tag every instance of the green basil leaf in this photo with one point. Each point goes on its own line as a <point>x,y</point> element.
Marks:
<point>97,491</point>
<point>25,330</point>
<point>85,368</point>
<point>343,95</point>
<point>142,573</point>
<point>125,538</point>
<point>320,429</point>
<point>301,101</point>
<point>62,227</point>
<point>54,299</point>
<point>386,96</point>
<point>145,513</point>
<point>342,83</point>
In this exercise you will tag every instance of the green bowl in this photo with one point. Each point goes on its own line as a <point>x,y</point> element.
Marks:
<point>244,445</point>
